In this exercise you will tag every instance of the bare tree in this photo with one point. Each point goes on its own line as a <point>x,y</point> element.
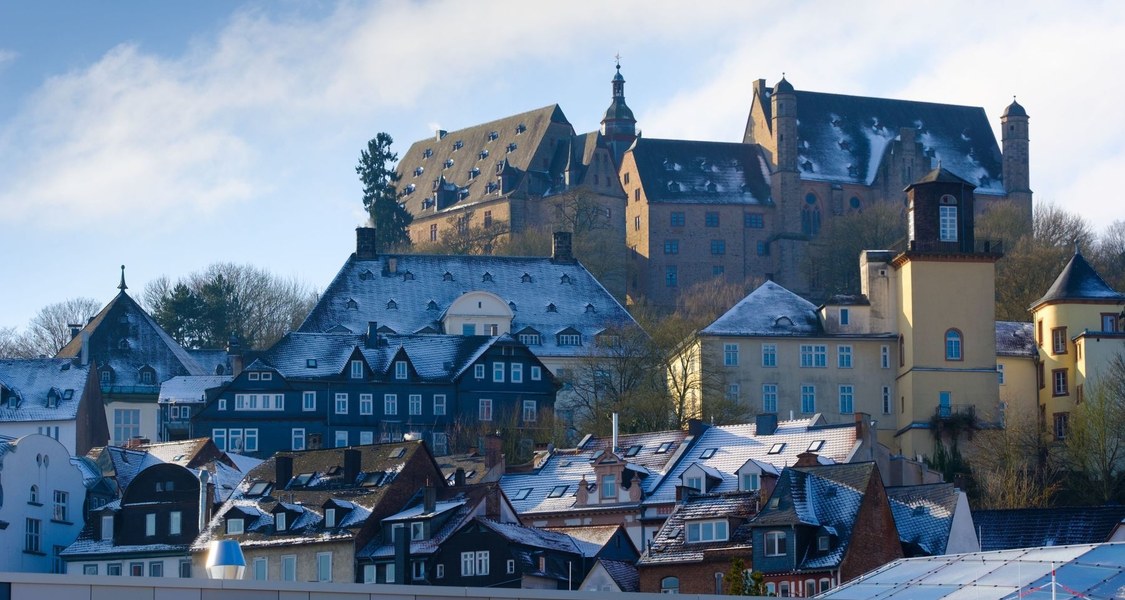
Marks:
<point>1012,467</point>
<point>461,236</point>
<point>1109,255</point>
<point>14,345</point>
<point>49,329</point>
<point>832,262</point>
<point>1095,441</point>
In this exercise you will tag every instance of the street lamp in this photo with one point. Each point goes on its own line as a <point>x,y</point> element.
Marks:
<point>225,560</point>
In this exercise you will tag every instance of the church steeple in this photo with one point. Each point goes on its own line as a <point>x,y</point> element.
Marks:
<point>619,126</point>
<point>121,286</point>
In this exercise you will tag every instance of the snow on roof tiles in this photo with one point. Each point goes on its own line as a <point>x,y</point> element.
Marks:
<point>768,310</point>
<point>32,381</point>
<point>184,389</point>
<point>1014,338</point>
<point>696,172</point>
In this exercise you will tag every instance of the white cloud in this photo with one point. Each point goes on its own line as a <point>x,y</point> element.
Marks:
<point>7,57</point>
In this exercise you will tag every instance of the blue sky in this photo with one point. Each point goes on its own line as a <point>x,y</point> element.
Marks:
<point>166,136</point>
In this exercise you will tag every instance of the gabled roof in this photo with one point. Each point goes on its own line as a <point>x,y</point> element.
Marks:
<point>941,175</point>
<point>1014,338</point>
<point>845,139</point>
<point>1079,281</point>
<point>769,310</point>
<point>736,444</point>
<point>670,543</point>
<point>623,573</point>
<point>514,139</point>
<point>590,539</point>
<point>696,172</point>
<point>827,496</point>
<point>125,338</point>
<point>33,380</point>
<point>189,389</point>
<point>651,450</point>
<point>465,502</point>
<point>1058,526</point>
<point>352,301</point>
<point>924,515</point>
<point>532,536</point>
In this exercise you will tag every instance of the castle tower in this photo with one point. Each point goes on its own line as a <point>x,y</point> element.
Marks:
<point>619,126</point>
<point>1014,138</point>
<point>785,182</point>
<point>945,285</point>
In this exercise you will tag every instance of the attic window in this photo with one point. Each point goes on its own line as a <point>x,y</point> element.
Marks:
<point>473,172</point>
<point>408,276</point>
<point>392,305</point>
<point>565,279</point>
<point>458,145</point>
<point>365,275</point>
<point>352,304</point>
<point>447,276</point>
<point>234,526</point>
<point>259,488</point>
<point>590,308</point>
<point>520,128</point>
<point>418,171</point>
<point>310,363</point>
<point>301,480</point>
<point>123,344</point>
<point>558,491</point>
<point>551,308</point>
<point>487,277</point>
<point>711,187</point>
<point>428,152</point>
<point>483,154</point>
<point>512,147</point>
<point>783,322</point>
<point>491,187</point>
<point>673,186</point>
<point>432,305</point>
<point>448,163</point>
<point>492,135</point>
<point>373,479</point>
<point>777,448</point>
<point>124,319</point>
<point>663,448</point>
<point>815,446</point>
<point>807,166</point>
<point>522,494</point>
<point>512,305</point>
<point>708,453</point>
<point>398,453</point>
<point>919,510</point>
<point>410,187</point>
<point>526,278</point>
<point>633,450</point>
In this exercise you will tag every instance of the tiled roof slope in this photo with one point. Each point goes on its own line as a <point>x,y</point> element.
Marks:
<point>768,310</point>
<point>1014,338</point>
<point>845,138</point>
<point>434,357</point>
<point>364,288</point>
<point>735,444</point>
<point>1033,527</point>
<point>624,574</point>
<point>124,337</point>
<point>669,545</point>
<point>190,388</point>
<point>651,452</point>
<point>1079,281</point>
<point>825,496</point>
<point>924,516</point>
<point>465,501</point>
<point>33,379</point>
<point>694,172</point>
<point>535,491</point>
<point>516,140</point>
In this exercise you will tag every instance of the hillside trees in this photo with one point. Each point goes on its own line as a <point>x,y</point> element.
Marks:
<point>380,197</point>
<point>832,261</point>
<point>1095,441</point>
<point>207,308</point>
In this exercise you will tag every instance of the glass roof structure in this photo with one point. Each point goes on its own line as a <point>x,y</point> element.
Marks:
<point>1047,573</point>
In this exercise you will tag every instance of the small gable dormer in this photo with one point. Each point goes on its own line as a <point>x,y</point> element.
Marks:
<point>336,512</point>
<point>755,475</point>
<point>146,375</point>
<point>700,478</point>
<point>401,368</point>
<point>357,367</point>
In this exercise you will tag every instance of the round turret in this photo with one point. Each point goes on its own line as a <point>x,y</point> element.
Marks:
<point>783,86</point>
<point>1014,110</point>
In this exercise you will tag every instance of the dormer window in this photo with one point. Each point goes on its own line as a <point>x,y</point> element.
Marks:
<point>409,189</point>
<point>458,145</point>
<point>751,482</point>
<point>107,528</point>
<point>483,155</point>
<point>447,276</point>
<point>418,171</point>
<point>330,517</point>
<point>400,369</point>
<point>551,308</point>
<point>492,135</point>
<point>235,525</point>
<point>822,544</point>
<point>408,276</point>
<point>473,173</point>
<point>392,305</point>
<point>279,521</point>
<point>352,304</point>
<point>590,308</point>
<point>123,344</point>
<point>707,531</point>
<point>428,152</point>
<point>432,305</point>
<point>520,128</point>
<point>417,531</point>
<point>512,147</point>
<point>526,278</point>
<point>565,279</point>
<point>487,277</point>
<point>570,339</point>
<point>357,369</point>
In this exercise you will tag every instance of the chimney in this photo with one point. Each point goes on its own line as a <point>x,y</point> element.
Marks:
<point>807,459</point>
<point>372,334</point>
<point>765,423</point>
<point>74,329</point>
<point>365,244</point>
<point>615,422</point>
<point>234,352</point>
<point>695,427</point>
<point>459,477</point>
<point>429,498</point>
<point>85,348</point>
<point>392,265</point>
<point>861,425</point>
<point>492,454</point>
<point>439,134</point>
<point>282,471</point>
<point>561,248</point>
<point>204,504</point>
<point>352,459</point>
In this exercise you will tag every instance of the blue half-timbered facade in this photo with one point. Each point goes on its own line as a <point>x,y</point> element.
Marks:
<point>321,390</point>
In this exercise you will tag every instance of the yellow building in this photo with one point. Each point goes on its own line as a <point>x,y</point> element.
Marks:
<point>1078,329</point>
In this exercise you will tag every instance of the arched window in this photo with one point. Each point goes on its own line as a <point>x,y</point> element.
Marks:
<point>810,215</point>
<point>953,349</point>
<point>670,585</point>
<point>34,497</point>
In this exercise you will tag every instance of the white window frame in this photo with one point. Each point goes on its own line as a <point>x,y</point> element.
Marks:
<point>478,371</point>
<point>235,526</point>
<point>261,570</point>
<point>175,522</point>
<point>847,399</point>
<point>341,439</point>
<point>341,403</point>
<point>439,404</point>
<point>730,355</point>
<point>498,372</point>
<point>250,440</point>
<point>414,404</point>
<point>530,411</point>
<point>844,356</point>
<point>323,566</point>
<point>717,530</point>
<point>401,372</point>
<point>776,543</point>
<point>536,373</point>
<point>289,567</point>
<point>297,438</point>
<point>390,404</point>
<point>769,355</point>
<point>947,223</point>
<point>484,412</point>
<point>769,398</point>
<point>308,401</point>
<point>808,391</point>
<point>366,438</point>
<point>357,369</point>
<point>366,404</point>
<point>517,373</point>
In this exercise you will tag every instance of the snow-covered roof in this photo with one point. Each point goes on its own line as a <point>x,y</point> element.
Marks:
<point>669,544</point>
<point>697,172</point>
<point>189,389</point>
<point>532,536</point>
<point>41,389</point>
<point>1014,338</point>
<point>768,310</point>
<point>730,446</point>
<point>1079,281</point>
<point>924,515</point>
<point>545,295</point>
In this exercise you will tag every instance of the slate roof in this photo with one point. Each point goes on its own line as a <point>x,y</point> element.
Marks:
<point>532,536</point>
<point>845,139</point>
<point>361,291</point>
<point>464,501</point>
<point>695,172</point>
<point>31,381</point>
<point>428,160</point>
<point>924,516</point>
<point>736,444</point>
<point>434,357</point>
<point>189,389</point>
<point>1014,338</point>
<point>125,338</point>
<point>647,447</point>
<point>378,462</point>
<point>826,496</point>
<point>1079,281</point>
<point>1059,526</point>
<point>623,573</point>
<point>768,310</point>
<point>670,543</point>
<point>590,539</point>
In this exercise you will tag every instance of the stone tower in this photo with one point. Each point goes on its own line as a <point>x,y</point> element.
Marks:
<point>619,126</point>
<point>1014,138</point>
<point>785,182</point>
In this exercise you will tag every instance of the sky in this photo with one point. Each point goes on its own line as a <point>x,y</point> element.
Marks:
<point>167,136</point>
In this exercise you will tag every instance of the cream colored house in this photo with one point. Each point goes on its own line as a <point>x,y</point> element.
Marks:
<point>1078,330</point>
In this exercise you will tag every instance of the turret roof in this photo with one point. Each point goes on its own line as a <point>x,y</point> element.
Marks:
<point>1079,281</point>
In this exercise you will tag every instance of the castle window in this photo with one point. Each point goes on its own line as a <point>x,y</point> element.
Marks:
<point>1058,340</point>
<point>953,350</point>
<point>492,135</point>
<point>671,246</point>
<point>947,224</point>
<point>711,219</point>
<point>419,170</point>
<point>677,219</point>
<point>458,145</point>
<point>671,276</point>
<point>810,216</point>
<point>483,154</point>
<point>754,220</point>
<point>447,276</point>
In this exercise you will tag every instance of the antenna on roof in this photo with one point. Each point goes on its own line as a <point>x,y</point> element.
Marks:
<point>121,286</point>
